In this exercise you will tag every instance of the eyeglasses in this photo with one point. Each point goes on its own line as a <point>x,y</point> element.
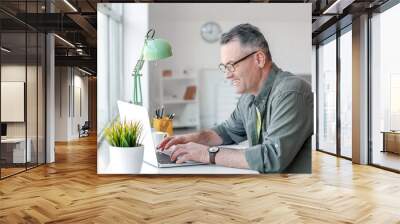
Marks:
<point>230,67</point>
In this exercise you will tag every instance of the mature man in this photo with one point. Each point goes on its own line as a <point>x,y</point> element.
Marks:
<point>274,113</point>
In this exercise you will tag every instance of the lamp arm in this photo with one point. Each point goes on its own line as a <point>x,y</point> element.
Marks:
<point>140,61</point>
<point>137,88</point>
<point>138,66</point>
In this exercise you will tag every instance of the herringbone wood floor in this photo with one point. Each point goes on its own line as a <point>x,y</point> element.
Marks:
<point>70,191</point>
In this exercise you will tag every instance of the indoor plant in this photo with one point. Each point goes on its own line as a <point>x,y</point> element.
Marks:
<point>126,148</point>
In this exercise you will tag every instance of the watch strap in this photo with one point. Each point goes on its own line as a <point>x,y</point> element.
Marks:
<point>212,155</point>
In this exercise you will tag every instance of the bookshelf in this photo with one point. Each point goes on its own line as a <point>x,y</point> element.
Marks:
<point>179,95</point>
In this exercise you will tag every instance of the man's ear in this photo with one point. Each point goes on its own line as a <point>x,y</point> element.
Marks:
<point>261,59</point>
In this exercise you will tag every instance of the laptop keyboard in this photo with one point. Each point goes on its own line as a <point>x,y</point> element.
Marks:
<point>164,159</point>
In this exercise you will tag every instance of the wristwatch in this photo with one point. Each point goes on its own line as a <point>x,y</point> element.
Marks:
<point>212,152</point>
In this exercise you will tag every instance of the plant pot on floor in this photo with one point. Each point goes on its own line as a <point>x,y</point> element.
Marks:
<point>126,160</point>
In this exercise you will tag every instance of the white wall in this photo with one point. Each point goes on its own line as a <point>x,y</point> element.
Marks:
<point>66,121</point>
<point>289,36</point>
<point>61,103</point>
<point>50,95</point>
<point>80,82</point>
<point>314,89</point>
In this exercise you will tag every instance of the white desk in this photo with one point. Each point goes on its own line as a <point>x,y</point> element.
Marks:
<point>19,149</point>
<point>104,168</point>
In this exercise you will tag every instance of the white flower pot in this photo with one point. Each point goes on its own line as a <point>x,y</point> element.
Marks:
<point>126,160</point>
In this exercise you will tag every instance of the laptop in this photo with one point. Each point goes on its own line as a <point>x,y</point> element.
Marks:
<point>152,156</point>
<point>3,131</point>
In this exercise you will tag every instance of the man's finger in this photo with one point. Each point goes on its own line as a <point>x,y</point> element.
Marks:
<point>163,142</point>
<point>173,141</point>
<point>183,158</point>
<point>177,152</point>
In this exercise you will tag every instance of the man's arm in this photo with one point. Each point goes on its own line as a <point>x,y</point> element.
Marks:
<point>231,158</point>
<point>290,126</point>
<point>198,152</point>
<point>232,130</point>
<point>205,137</point>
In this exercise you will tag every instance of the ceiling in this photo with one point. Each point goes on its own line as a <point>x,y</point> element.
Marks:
<point>76,22</point>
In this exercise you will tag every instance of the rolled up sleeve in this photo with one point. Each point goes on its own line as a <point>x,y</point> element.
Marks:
<point>290,125</point>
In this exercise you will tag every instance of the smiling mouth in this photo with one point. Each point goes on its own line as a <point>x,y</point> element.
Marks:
<point>235,82</point>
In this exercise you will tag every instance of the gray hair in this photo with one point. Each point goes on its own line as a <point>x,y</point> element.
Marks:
<point>249,36</point>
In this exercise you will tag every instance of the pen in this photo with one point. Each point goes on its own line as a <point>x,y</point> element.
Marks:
<point>162,112</point>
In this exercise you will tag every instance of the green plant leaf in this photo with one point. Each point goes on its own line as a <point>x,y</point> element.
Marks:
<point>124,134</point>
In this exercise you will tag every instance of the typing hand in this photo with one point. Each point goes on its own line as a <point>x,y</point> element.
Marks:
<point>172,140</point>
<point>190,151</point>
<point>167,152</point>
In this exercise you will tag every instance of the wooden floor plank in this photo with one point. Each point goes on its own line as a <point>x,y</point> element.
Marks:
<point>70,191</point>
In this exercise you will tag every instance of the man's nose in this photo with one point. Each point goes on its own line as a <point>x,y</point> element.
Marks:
<point>229,75</point>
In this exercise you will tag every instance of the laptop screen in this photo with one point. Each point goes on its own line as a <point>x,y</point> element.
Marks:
<point>3,129</point>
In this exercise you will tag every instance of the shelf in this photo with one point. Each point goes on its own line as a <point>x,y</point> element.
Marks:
<point>179,101</point>
<point>173,91</point>
<point>178,78</point>
<point>184,125</point>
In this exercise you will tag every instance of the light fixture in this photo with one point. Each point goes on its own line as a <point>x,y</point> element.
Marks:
<point>84,71</point>
<point>337,7</point>
<point>64,40</point>
<point>5,50</point>
<point>153,49</point>
<point>70,5</point>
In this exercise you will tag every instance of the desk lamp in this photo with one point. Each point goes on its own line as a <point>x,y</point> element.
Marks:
<point>153,49</point>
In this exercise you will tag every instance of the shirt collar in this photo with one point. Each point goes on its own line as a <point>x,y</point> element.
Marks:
<point>261,99</point>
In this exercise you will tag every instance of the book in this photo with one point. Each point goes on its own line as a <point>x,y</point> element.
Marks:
<point>190,93</point>
<point>167,73</point>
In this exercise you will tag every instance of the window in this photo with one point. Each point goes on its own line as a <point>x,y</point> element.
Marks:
<point>22,76</point>
<point>109,59</point>
<point>346,94</point>
<point>385,89</point>
<point>327,97</point>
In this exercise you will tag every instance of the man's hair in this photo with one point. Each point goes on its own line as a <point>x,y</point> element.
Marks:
<point>249,36</point>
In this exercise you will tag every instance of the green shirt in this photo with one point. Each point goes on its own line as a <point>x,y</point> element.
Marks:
<point>285,105</point>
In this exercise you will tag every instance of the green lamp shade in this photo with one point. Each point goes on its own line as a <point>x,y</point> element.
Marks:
<point>156,49</point>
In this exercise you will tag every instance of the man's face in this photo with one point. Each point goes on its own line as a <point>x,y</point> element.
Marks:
<point>244,78</point>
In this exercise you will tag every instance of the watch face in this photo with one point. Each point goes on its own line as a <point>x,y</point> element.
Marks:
<point>213,149</point>
<point>210,32</point>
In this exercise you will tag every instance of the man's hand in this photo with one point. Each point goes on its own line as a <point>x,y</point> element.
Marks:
<point>205,137</point>
<point>190,151</point>
<point>173,140</point>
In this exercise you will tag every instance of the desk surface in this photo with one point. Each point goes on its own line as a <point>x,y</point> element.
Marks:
<point>103,167</point>
<point>390,132</point>
<point>13,140</point>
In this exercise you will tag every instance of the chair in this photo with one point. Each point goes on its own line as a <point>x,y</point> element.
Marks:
<point>84,130</point>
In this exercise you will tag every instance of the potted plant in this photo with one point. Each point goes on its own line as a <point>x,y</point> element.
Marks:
<point>126,148</point>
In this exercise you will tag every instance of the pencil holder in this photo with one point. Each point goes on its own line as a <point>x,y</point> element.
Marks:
<point>164,125</point>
